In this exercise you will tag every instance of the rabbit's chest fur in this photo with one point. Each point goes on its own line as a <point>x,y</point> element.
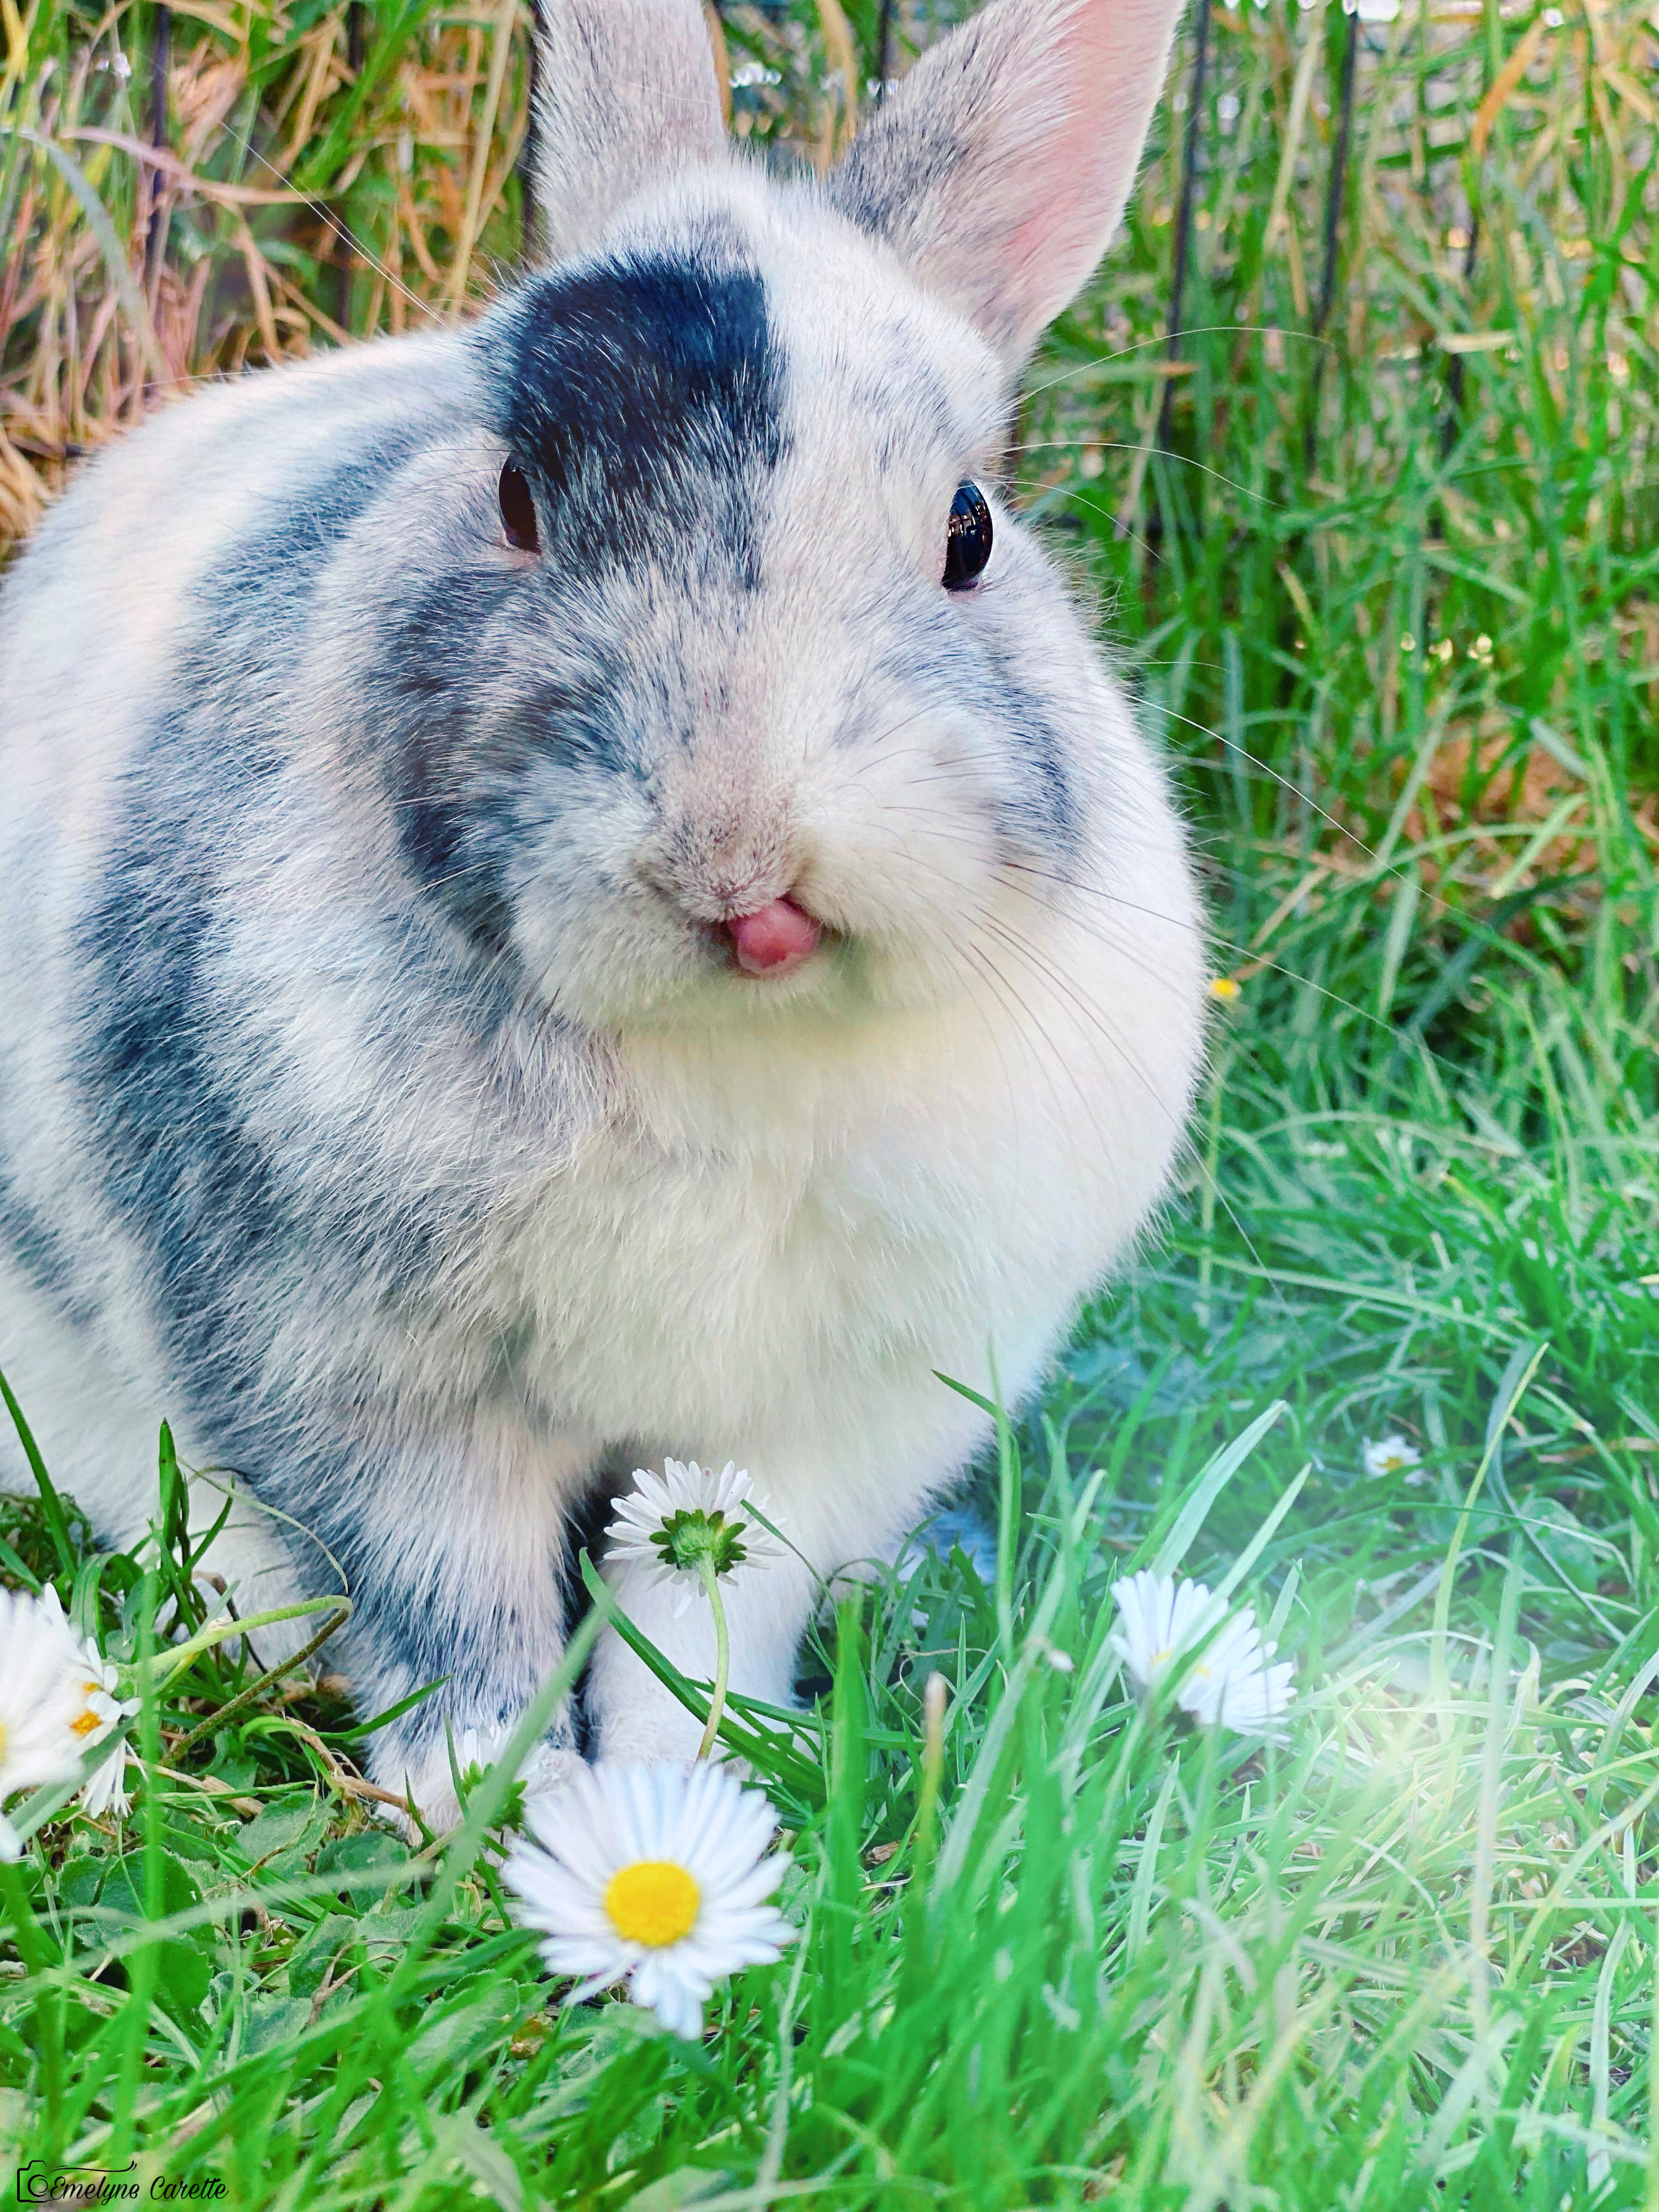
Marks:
<point>753,1254</point>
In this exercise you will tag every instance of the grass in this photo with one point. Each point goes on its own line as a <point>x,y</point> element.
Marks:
<point>1393,587</point>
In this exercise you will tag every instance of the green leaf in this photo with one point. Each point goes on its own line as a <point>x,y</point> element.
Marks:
<point>1194,1509</point>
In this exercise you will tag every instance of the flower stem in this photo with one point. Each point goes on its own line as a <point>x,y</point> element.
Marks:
<point>257,1690</point>
<point>722,1656</point>
<point>169,1663</point>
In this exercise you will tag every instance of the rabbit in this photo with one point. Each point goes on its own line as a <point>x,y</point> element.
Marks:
<point>575,889</point>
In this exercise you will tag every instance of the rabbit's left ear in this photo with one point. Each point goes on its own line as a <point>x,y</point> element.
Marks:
<point>625,90</point>
<point>999,168</point>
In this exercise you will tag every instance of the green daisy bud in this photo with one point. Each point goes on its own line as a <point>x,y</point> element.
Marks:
<point>687,1538</point>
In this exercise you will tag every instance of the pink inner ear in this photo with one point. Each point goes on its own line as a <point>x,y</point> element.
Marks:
<point>1096,87</point>
<point>1046,103</point>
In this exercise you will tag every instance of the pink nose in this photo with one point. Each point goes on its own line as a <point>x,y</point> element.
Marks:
<point>775,940</point>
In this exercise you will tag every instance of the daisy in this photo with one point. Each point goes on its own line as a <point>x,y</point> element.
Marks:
<point>1394,1455</point>
<point>95,1681</point>
<point>676,1522</point>
<point>41,1701</point>
<point>105,1791</point>
<point>654,1875</point>
<point>1229,1682</point>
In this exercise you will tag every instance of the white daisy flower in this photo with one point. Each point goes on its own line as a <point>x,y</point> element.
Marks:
<point>105,1791</point>
<point>655,1874</point>
<point>40,1700</point>
<point>1394,1455</point>
<point>674,1520</point>
<point>1229,1682</point>
<point>96,1681</point>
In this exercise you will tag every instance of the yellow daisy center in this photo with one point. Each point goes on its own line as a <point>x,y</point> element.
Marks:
<point>86,1723</point>
<point>652,1902</point>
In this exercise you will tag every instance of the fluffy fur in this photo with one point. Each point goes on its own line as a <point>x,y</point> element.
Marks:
<point>377,1099</point>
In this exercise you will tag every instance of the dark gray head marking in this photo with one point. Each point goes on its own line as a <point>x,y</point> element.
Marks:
<point>641,398</point>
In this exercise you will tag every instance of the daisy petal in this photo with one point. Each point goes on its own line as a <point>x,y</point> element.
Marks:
<point>611,1819</point>
<point>1227,1682</point>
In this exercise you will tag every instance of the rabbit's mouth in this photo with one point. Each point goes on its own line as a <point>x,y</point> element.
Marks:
<point>774,940</point>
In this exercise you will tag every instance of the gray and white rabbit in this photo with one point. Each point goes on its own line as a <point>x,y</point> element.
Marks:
<point>575,889</point>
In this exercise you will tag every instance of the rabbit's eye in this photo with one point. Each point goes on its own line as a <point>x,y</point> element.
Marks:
<point>518,511</point>
<point>968,538</point>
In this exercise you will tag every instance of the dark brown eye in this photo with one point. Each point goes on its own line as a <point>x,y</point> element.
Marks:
<point>518,511</point>
<point>968,538</point>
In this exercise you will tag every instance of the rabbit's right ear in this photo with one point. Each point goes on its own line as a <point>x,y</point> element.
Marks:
<point>625,89</point>
<point>1000,166</point>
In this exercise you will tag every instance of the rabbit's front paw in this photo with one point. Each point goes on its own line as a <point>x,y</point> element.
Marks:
<point>653,1732</point>
<point>429,1773</point>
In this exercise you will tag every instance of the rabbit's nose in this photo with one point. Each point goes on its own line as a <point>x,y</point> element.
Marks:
<point>775,939</point>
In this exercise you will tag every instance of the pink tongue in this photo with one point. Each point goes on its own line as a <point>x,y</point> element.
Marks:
<point>774,940</point>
